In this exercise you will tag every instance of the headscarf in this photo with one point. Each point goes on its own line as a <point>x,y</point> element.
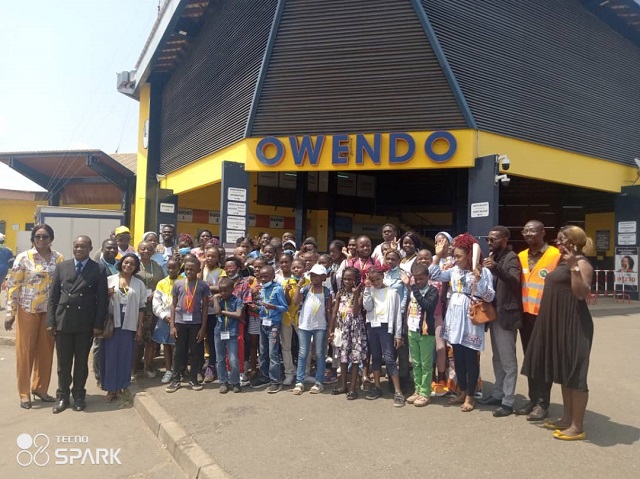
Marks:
<point>446,235</point>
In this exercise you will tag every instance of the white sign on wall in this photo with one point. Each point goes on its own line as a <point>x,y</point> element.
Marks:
<point>236,194</point>
<point>236,209</point>
<point>627,239</point>
<point>185,215</point>
<point>276,221</point>
<point>480,210</point>
<point>627,226</point>
<point>214,217</point>
<point>236,223</point>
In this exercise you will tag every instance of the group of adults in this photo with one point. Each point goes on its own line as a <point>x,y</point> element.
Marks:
<point>540,292</point>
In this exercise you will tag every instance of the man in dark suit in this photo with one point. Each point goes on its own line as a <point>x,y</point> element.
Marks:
<point>506,270</point>
<point>77,309</point>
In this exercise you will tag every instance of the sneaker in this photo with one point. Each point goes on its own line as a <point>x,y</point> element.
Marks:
<point>398,400</point>
<point>166,377</point>
<point>411,399</point>
<point>259,382</point>
<point>288,379</point>
<point>274,388</point>
<point>208,375</point>
<point>133,377</point>
<point>200,377</point>
<point>439,389</point>
<point>174,386</point>
<point>195,385</point>
<point>421,401</point>
<point>224,389</point>
<point>244,380</point>
<point>374,393</point>
<point>317,388</point>
<point>330,378</point>
<point>298,390</point>
<point>150,373</point>
<point>237,388</point>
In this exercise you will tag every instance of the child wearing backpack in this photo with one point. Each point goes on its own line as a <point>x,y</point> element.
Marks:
<point>315,310</point>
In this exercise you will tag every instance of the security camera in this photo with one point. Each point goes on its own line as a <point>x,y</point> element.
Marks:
<point>503,179</point>
<point>504,162</point>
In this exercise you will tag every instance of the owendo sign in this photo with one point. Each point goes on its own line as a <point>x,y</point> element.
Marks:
<point>360,151</point>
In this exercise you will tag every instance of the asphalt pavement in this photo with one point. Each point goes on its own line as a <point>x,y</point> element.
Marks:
<point>258,435</point>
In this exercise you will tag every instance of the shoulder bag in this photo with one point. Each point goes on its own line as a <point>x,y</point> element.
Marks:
<point>480,311</point>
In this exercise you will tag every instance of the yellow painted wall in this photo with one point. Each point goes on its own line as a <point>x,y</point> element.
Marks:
<point>545,163</point>
<point>137,226</point>
<point>601,221</point>
<point>17,212</point>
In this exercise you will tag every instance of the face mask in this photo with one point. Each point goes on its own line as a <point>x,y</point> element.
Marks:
<point>295,277</point>
<point>329,269</point>
<point>184,251</point>
<point>232,276</point>
<point>289,251</point>
<point>266,285</point>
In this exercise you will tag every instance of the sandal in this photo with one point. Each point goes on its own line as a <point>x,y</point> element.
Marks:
<point>351,395</point>
<point>467,407</point>
<point>338,391</point>
<point>459,399</point>
<point>553,425</point>
<point>110,397</point>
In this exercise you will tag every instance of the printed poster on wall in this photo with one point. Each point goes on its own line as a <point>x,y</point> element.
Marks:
<point>626,268</point>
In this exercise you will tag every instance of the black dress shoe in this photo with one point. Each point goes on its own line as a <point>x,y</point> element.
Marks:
<point>25,404</point>
<point>79,404</point>
<point>489,401</point>
<point>524,410</point>
<point>44,397</point>
<point>60,406</point>
<point>537,414</point>
<point>503,411</point>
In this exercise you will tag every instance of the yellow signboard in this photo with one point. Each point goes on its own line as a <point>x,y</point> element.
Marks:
<point>373,151</point>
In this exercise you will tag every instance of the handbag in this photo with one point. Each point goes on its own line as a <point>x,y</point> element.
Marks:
<point>481,311</point>
<point>109,325</point>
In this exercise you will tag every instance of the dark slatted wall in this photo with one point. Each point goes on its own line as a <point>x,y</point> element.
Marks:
<point>207,100</point>
<point>546,71</point>
<point>347,66</point>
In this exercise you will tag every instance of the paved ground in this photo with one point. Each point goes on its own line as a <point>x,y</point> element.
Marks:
<point>254,434</point>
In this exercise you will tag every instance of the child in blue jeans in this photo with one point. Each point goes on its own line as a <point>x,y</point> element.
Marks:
<point>272,304</point>
<point>315,310</point>
<point>228,310</point>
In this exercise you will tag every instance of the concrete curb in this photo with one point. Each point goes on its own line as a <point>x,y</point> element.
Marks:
<point>189,455</point>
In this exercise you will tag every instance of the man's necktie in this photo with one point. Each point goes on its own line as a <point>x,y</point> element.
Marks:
<point>78,269</point>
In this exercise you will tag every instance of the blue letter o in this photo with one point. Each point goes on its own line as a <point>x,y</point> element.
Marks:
<point>440,135</point>
<point>266,141</point>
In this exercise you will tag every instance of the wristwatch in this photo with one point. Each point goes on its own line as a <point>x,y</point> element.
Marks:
<point>576,269</point>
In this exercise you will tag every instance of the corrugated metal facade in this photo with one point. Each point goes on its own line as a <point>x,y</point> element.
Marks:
<point>546,71</point>
<point>347,66</point>
<point>206,101</point>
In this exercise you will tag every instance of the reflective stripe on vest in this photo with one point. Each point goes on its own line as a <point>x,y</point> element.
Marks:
<point>533,281</point>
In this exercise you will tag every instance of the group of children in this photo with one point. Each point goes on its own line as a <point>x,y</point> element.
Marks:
<point>359,307</point>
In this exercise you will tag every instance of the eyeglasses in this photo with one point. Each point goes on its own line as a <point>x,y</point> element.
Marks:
<point>41,237</point>
<point>529,232</point>
<point>492,240</point>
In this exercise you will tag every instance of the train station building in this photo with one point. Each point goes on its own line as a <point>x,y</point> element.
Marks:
<point>332,118</point>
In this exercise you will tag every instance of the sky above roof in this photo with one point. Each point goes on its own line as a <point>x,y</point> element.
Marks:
<point>58,76</point>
